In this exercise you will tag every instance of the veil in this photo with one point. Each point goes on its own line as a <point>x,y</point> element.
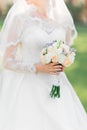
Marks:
<point>61,13</point>
<point>57,10</point>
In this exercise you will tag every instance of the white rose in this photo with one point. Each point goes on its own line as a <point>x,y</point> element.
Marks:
<point>65,47</point>
<point>61,58</point>
<point>48,57</point>
<point>55,44</point>
<point>72,58</point>
<point>51,49</point>
<point>44,51</point>
<point>73,53</point>
<point>59,51</point>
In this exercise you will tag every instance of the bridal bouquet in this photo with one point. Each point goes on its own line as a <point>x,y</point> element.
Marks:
<point>57,51</point>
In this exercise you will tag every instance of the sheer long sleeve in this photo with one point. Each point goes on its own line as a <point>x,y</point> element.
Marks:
<point>13,61</point>
<point>71,33</point>
<point>68,36</point>
<point>12,58</point>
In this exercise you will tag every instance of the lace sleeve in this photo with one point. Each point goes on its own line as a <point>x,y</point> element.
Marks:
<point>10,58</point>
<point>71,34</point>
<point>68,35</point>
<point>11,61</point>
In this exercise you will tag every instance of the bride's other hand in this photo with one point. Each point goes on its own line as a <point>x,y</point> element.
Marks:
<point>51,68</point>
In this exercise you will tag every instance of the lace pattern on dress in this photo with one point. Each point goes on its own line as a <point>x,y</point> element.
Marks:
<point>13,61</point>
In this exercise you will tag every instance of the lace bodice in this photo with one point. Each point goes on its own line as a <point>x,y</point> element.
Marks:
<point>35,34</point>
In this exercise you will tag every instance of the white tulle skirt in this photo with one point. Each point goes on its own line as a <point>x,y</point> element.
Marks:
<point>25,104</point>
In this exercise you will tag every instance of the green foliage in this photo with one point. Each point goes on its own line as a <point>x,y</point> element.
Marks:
<point>75,11</point>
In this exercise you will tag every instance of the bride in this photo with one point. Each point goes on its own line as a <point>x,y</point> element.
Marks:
<point>25,103</point>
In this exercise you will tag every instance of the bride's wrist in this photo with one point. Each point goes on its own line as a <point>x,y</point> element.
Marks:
<point>38,67</point>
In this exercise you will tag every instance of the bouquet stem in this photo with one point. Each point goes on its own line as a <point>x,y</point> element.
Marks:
<point>55,91</point>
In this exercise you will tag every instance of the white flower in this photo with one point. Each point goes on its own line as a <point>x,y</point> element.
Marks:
<point>51,49</point>
<point>44,50</point>
<point>72,58</point>
<point>55,58</point>
<point>55,44</point>
<point>65,47</point>
<point>61,58</point>
<point>48,57</point>
<point>73,53</point>
<point>59,51</point>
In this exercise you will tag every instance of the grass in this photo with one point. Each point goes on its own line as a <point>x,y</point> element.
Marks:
<point>77,73</point>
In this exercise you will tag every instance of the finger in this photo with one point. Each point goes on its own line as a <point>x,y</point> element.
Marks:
<point>57,67</point>
<point>54,63</point>
<point>61,65</point>
<point>55,73</point>
<point>62,69</point>
<point>53,67</point>
<point>55,70</point>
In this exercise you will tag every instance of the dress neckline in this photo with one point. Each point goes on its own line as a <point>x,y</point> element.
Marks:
<point>33,9</point>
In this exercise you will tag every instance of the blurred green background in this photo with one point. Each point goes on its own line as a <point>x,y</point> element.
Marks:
<point>77,73</point>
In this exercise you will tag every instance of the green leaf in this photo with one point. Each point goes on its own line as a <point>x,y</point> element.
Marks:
<point>55,91</point>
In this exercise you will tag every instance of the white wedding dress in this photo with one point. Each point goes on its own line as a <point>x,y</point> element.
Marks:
<point>25,103</point>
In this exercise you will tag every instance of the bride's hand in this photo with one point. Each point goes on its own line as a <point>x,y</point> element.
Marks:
<point>51,68</point>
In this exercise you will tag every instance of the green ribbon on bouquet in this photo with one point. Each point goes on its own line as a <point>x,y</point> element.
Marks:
<point>55,91</point>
